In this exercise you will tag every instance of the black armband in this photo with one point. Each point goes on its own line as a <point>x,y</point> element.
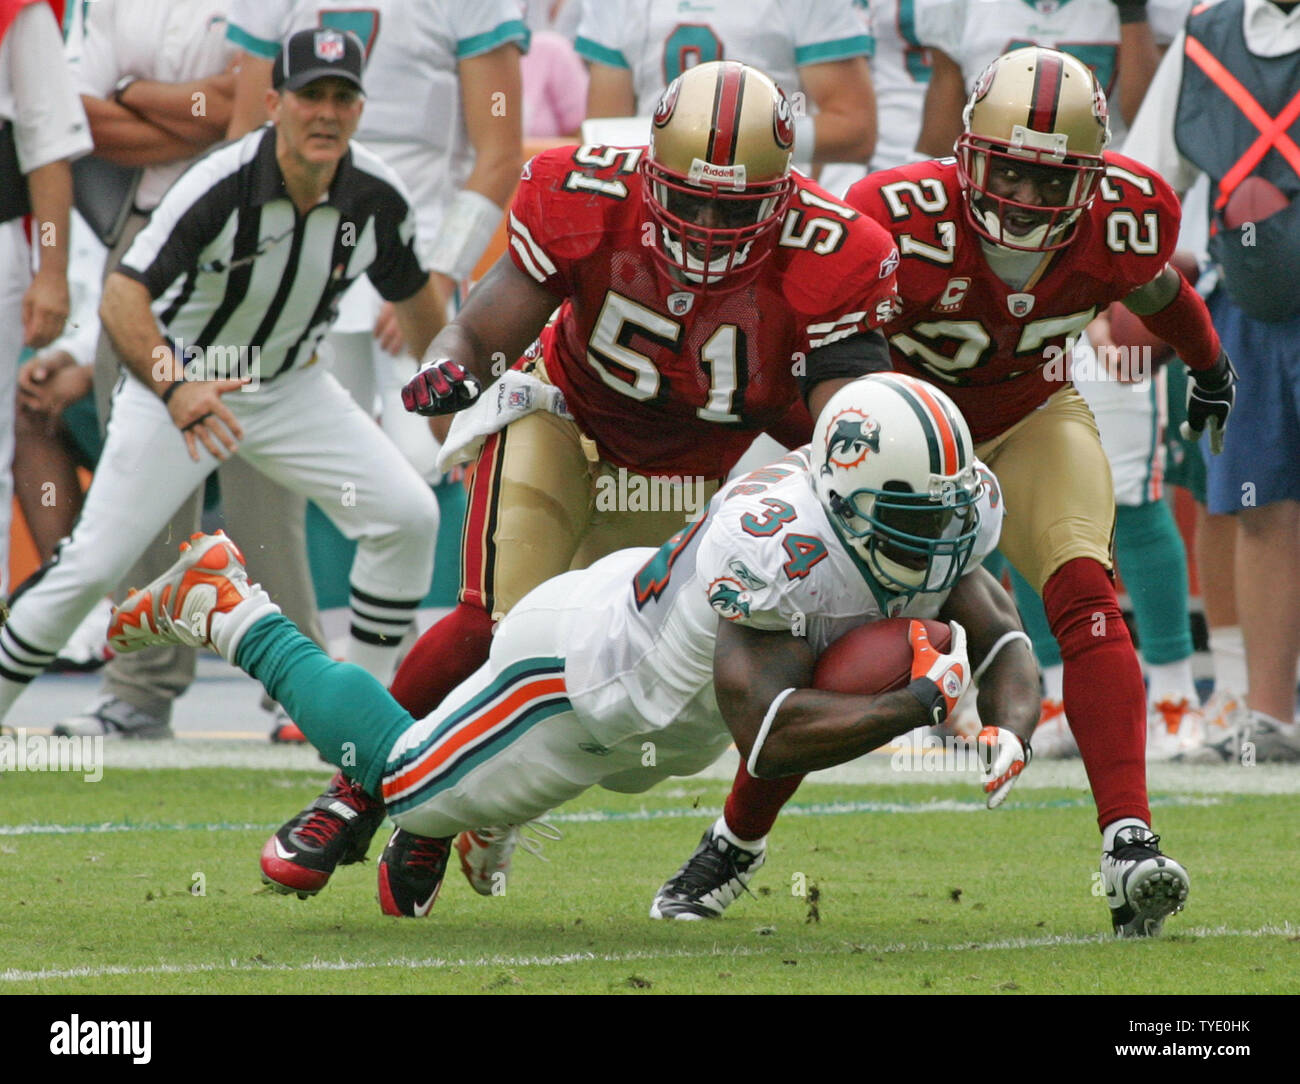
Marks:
<point>931,698</point>
<point>1131,11</point>
<point>171,390</point>
<point>846,359</point>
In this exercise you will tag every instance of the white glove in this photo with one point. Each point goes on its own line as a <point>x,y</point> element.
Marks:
<point>1003,756</point>
<point>949,673</point>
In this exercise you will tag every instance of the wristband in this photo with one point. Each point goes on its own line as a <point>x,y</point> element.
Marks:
<point>119,88</point>
<point>466,232</point>
<point>931,698</point>
<point>171,390</point>
<point>805,140</point>
<point>1131,11</point>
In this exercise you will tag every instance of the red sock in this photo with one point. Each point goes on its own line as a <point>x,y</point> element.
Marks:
<point>1105,700</point>
<point>442,658</point>
<point>754,804</point>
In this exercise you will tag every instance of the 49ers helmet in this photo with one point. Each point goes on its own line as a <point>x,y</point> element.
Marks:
<point>718,172</point>
<point>1043,109</point>
<point>894,466</point>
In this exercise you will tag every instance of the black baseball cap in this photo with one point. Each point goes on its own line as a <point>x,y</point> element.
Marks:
<point>309,55</point>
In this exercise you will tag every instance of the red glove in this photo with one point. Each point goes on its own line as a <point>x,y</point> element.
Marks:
<point>440,387</point>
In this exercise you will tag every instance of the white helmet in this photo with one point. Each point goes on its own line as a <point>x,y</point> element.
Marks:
<point>894,466</point>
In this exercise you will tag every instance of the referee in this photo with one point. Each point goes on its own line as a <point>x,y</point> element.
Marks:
<point>217,309</point>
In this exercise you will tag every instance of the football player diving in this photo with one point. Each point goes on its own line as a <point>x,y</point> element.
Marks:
<point>1008,251</point>
<point>708,640</point>
<point>705,293</point>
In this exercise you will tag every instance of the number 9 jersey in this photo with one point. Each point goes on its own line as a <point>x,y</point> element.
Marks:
<point>671,377</point>
<point>1000,352</point>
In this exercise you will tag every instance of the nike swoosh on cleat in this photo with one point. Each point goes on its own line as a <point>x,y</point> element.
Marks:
<point>422,909</point>
<point>281,852</point>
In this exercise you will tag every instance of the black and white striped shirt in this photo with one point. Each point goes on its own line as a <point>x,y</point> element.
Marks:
<point>231,264</point>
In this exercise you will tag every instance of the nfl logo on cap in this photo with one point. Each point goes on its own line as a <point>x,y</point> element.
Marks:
<point>329,46</point>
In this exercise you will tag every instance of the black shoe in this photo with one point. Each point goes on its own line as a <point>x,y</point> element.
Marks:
<point>411,870</point>
<point>712,877</point>
<point>1143,886</point>
<point>335,830</point>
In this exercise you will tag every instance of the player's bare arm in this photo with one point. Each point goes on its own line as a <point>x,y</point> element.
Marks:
<point>421,317</point>
<point>1138,59</point>
<point>610,92</point>
<point>846,110</point>
<point>248,107</point>
<point>1008,688</point>
<point>811,729</point>
<point>174,107</point>
<point>195,406</point>
<point>45,304</point>
<point>124,137</point>
<point>944,101</point>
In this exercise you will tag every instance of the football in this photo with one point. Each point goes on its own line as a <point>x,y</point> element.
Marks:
<point>874,658</point>
<point>1127,329</point>
<point>1253,201</point>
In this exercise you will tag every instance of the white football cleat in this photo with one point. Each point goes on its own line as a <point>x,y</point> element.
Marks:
<point>485,853</point>
<point>1053,739</point>
<point>1173,727</point>
<point>186,604</point>
<point>1143,886</point>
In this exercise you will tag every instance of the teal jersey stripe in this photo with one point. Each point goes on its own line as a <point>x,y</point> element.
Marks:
<point>530,668</point>
<point>515,30</point>
<point>538,713</point>
<point>842,49</point>
<point>590,50</point>
<point>254,46</point>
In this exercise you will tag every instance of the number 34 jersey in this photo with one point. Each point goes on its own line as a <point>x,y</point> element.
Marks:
<point>669,380</point>
<point>641,655</point>
<point>1001,352</point>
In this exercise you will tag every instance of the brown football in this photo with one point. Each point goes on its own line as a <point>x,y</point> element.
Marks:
<point>874,658</point>
<point>1127,329</point>
<point>1253,201</point>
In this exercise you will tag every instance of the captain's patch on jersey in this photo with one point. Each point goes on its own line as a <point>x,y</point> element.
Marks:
<point>729,598</point>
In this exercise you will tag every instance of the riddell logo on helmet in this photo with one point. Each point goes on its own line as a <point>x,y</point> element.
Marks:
<point>706,171</point>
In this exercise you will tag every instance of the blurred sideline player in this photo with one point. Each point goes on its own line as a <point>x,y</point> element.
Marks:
<point>1122,48</point>
<point>443,110</point>
<point>702,287</point>
<point>1006,253</point>
<point>711,638</point>
<point>815,50</point>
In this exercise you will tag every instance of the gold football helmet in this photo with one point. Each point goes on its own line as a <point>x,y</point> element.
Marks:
<point>718,172</point>
<point>1030,156</point>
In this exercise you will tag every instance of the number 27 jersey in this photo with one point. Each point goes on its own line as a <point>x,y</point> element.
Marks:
<point>997,351</point>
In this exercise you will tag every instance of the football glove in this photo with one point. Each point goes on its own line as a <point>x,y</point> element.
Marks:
<point>440,387</point>
<point>938,680</point>
<point>1003,756</point>
<point>1209,402</point>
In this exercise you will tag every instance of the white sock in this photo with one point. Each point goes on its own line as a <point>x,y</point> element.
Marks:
<point>1111,830</point>
<point>1171,681</point>
<point>227,629</point>
<point>1054,682</point>
<point>753,846</point>
<point>1228,653</point>
<point>378,660</point>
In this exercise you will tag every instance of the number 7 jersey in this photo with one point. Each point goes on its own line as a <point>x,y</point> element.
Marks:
<point>672,380</point>
<point>998,351</point>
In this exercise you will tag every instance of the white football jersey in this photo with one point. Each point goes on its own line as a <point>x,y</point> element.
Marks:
<point>657,40</point>
<point>412,117</point>
<point>901,73</point>
<point>765,555</point>
<point>974,32</point>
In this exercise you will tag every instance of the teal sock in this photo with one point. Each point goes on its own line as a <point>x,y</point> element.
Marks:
<point>1153,562</point>
<point>1034,618</point>
<point>345,713</point>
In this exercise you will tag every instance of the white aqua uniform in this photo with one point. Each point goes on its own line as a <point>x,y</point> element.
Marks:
<point>413,120</point>
<point>1130,416</point>
<point>605,675</point>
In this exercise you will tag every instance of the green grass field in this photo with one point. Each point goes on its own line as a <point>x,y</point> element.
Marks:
<point>147,882</point>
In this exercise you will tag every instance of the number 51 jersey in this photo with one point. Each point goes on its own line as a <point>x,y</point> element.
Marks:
<point>1000,352</point>
<point>672,380</point>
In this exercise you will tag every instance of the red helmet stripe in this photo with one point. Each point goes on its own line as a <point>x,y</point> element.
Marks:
<point>1048,74</point>
<point>727,97</point>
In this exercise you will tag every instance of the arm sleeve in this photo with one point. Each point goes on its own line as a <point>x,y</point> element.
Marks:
<point>397,272</point>
<point>482,26</point>
<point>599,38</point>
<point>826,30</point>
<point>49,122</point>
<point>848,358</point>
<point>257,26</point>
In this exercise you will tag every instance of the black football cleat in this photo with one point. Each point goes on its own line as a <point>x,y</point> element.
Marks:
<point>411,870</point>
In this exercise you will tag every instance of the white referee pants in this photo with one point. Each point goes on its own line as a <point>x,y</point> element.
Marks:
<point>302,430</point>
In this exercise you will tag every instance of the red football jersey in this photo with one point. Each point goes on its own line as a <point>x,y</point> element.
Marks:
<point>1000,352</point>
<point>666,379</point>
